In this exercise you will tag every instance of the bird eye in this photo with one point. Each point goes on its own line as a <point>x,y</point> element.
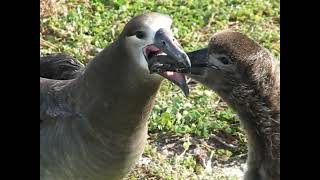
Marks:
<point>224,60</point>
<point>140,34</point>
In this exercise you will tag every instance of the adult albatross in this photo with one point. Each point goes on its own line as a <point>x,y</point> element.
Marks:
<point>93,126</point>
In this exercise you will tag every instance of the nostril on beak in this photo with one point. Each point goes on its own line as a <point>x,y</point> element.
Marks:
<point>163,43</point>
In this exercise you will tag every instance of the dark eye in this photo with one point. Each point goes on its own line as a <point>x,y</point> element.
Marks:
<point>224,60</point>
<point>140,34</point>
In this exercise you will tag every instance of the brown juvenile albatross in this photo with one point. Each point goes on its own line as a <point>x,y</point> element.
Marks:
<point>245,76</point>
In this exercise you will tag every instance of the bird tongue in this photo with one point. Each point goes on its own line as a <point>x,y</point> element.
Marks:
<point>178,79</point>
<point>151,48</point>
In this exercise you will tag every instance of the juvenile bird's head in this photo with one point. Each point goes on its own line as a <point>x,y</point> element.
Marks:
<point>233,59</point>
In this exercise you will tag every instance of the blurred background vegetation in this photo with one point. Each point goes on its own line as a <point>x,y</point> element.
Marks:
<point>197,137</point>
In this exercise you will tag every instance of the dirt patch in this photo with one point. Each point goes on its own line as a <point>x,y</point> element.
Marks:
<point>50,8</point>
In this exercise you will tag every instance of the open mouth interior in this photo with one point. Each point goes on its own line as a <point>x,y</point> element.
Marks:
<point>150,52</point>
<point>174,77</point>
<point>159,61</point>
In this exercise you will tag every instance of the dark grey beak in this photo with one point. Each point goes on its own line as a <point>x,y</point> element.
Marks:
<point>199,57</point>
<point>177,60</point>
<point>169,45</point>
<point>199,61</point>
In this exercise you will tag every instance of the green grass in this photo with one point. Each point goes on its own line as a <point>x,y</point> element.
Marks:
<point>96,23</point>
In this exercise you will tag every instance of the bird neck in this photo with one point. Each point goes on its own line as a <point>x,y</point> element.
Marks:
<point>259,113</point>
<point>110,103</point>
<point>116,69</point>
<point>114,93</point>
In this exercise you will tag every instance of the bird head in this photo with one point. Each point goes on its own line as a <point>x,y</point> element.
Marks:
<point>232,59</point>
<point>150,35</point>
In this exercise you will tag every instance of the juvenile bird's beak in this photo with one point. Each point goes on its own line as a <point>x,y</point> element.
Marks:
<point>199,61</point>
<point>178,61</point>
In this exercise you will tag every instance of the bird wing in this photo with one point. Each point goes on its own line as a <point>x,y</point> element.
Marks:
<point>52,102</point>
<point>52,69</point>
<point>60,67</point>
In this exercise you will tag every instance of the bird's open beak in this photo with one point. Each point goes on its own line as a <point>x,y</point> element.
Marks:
<point>169,45</point>
<point>177,62</point>
<point>199,61</point>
